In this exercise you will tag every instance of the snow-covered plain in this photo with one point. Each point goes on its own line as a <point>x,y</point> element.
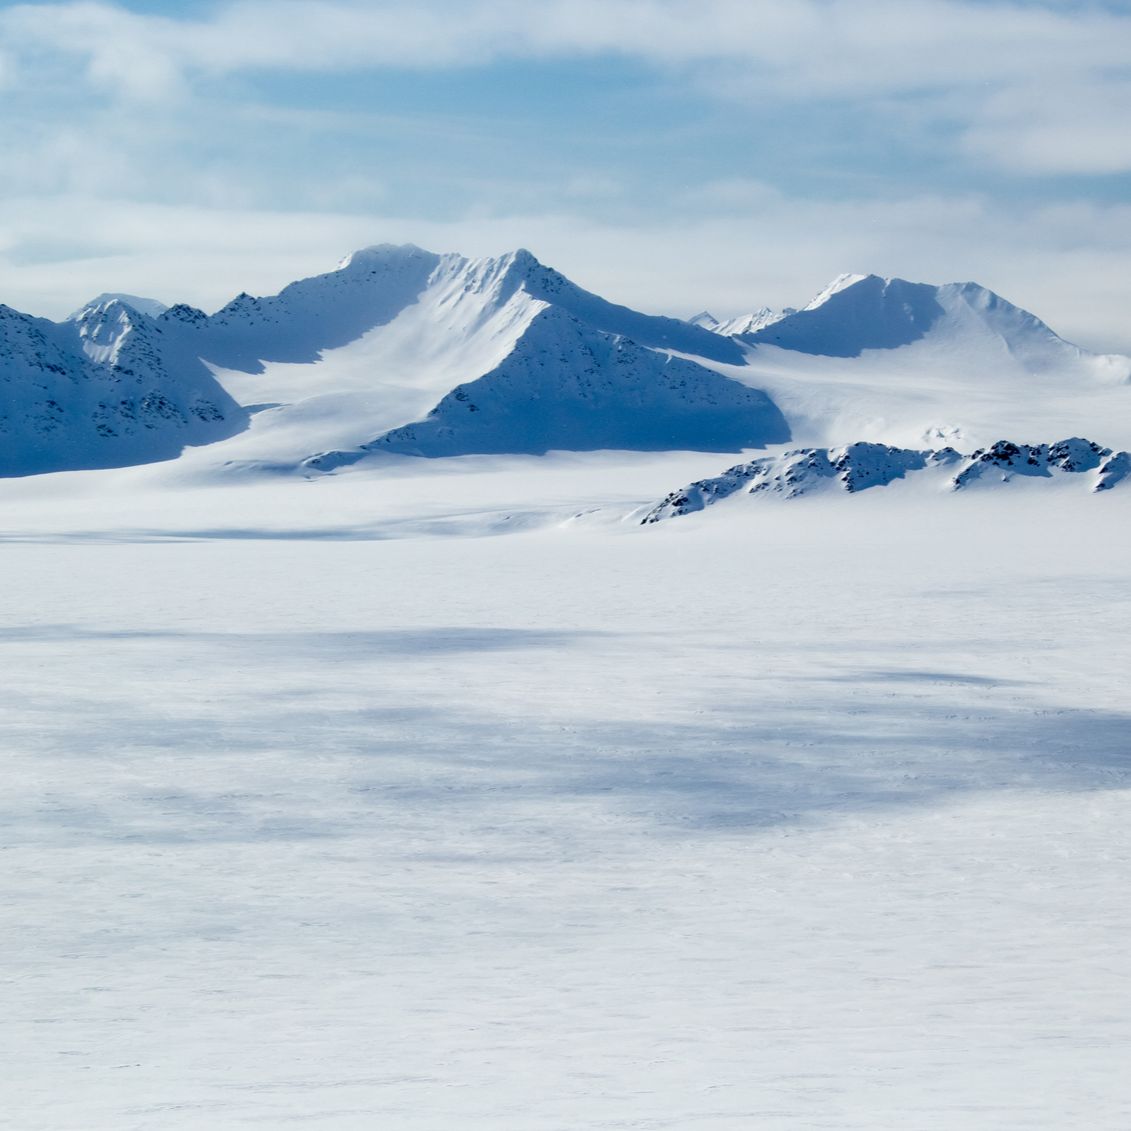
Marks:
<point>810,814</point>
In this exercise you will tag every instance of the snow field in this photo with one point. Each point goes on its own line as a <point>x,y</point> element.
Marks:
<point>815,819</point>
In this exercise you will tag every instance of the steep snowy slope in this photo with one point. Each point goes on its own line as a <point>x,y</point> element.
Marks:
<point>645,329</point>
<point>105,389</point>
<point>911,364</point>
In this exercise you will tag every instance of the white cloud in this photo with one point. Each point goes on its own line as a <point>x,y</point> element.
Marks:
<point>1044,128</point>
<point>1016,78</point>
<point>804,47</point>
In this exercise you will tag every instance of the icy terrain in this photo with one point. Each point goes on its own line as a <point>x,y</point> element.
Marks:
<point>794,817</point>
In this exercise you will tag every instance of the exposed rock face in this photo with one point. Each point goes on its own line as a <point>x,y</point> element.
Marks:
<point>860,466</point>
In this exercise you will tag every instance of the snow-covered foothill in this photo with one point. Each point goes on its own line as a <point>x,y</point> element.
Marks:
<point>1004,459</point>
<point>866,312</point>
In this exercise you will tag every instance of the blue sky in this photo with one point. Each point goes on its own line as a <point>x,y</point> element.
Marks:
<point>670,155</point>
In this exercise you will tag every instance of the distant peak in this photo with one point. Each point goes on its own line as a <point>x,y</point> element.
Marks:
<point>705,319</point>
<point>147,306</point>
<point>382,253</point>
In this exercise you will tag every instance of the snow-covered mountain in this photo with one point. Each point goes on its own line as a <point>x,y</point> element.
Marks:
<point>402,350</point>
<point>916,365</point>
<point>865,312</point>
<point>148,306</point>
<point>106,388</point>
<point>857,467</point>
<point>405,351</point>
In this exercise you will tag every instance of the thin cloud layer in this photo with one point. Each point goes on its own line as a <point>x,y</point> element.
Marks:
<point>761,147</point>
<point>1012,76</point>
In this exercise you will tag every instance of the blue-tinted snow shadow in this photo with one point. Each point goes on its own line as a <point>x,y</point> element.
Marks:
<point>910,675</point>
<point>452,524</point>
<point>353,643</point>
<point>333,766</point>
<point>139,536</point>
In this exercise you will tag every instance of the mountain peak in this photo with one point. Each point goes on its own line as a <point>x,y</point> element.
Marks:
<point>842,283</point>
<point>379,254</point>
<point>704,319</point>
<point>855,313</point>
<point>745,324</point>
<point>150,307</point>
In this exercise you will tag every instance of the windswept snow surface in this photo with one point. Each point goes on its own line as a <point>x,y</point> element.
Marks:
<point>810,817</point>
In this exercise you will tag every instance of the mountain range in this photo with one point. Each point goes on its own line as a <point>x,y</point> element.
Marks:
<point>404,352</point>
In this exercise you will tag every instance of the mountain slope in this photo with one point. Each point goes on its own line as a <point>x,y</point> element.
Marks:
<point>912,364</point>
<point>566,386</point>
<point>865,312</point>
<point>107,389</point>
